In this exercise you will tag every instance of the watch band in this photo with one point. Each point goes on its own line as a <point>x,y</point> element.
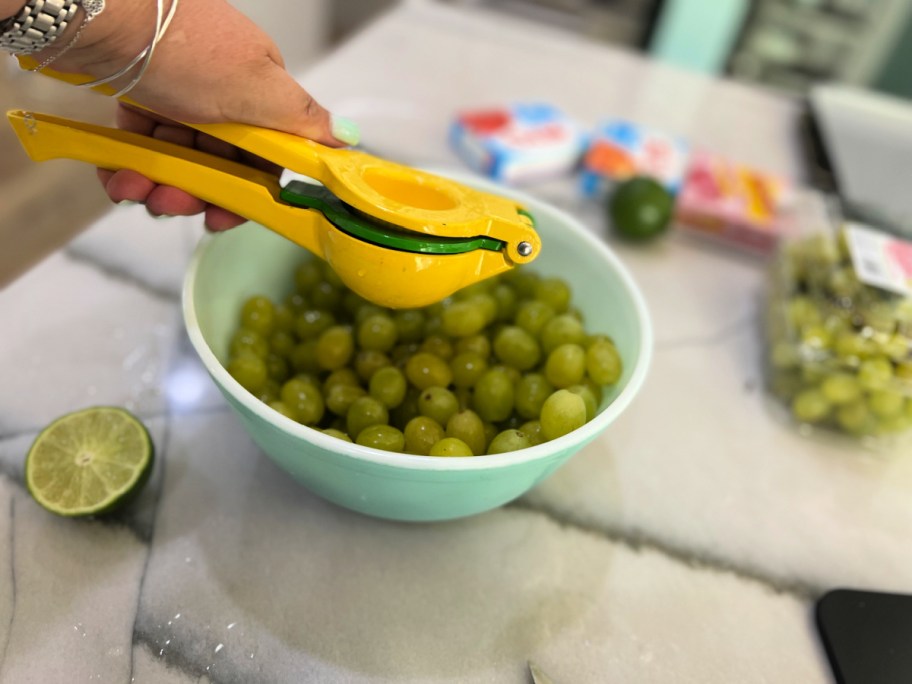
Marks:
<point>38,25</point>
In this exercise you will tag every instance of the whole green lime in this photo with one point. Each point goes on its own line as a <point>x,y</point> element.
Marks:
<point>640,208</point>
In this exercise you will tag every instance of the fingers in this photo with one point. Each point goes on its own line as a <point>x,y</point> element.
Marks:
<point>160,200</point>
<point>218,219</point>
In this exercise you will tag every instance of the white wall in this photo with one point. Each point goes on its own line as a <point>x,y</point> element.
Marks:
<point>299,27</point>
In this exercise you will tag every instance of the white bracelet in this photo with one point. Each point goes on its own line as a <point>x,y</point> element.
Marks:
<point>161,26</point>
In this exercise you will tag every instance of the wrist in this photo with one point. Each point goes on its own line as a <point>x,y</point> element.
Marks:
<point>10,8</point>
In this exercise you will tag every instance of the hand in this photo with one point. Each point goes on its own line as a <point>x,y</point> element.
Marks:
<point>226,71</point>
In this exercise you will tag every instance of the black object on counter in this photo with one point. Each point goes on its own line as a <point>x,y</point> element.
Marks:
<point>867,636</point>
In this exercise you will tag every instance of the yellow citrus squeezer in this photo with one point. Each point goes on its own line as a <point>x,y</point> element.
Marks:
<point>397,236</point>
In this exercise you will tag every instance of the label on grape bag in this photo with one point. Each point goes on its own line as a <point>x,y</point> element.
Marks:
<point>880,260</point>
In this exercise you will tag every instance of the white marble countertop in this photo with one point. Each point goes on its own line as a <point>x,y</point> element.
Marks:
<point>687,544</point>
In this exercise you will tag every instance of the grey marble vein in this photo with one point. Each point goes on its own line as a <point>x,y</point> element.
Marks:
<point>12,580</point>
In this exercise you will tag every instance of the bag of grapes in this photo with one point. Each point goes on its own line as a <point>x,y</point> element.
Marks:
<point>839,332</point>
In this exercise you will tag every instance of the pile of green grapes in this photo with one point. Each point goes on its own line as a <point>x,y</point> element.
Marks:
<point>502,365</point>
<point>839,352</point>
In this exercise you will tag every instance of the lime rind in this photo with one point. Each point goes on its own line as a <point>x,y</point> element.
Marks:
<point>117,441</point>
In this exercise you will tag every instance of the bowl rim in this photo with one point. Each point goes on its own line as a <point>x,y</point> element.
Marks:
<point>354,451</point>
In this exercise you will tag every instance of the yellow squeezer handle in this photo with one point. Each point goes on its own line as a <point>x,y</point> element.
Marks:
<point>246,191</point>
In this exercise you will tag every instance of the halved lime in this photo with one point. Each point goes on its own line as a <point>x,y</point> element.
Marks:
<point>89,462</point>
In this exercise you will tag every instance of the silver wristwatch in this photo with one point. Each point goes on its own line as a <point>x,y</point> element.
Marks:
<point>38,25</point>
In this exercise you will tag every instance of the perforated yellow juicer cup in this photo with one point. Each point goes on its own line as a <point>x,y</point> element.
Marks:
<point>397,236</point>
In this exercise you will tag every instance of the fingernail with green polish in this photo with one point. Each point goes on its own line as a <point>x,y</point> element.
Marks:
<point>126,203</point>
<point>345,130</point>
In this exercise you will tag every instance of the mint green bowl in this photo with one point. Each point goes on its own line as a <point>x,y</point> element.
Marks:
<point>232,266</point>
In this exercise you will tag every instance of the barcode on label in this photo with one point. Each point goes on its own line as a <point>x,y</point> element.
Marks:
<point>872,259</point>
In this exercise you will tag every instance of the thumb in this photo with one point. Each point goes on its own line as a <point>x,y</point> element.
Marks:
<point>273,99</point>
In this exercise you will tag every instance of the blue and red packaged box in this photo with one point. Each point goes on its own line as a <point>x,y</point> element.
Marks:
<point>518,144</point>
<point>620,149</point>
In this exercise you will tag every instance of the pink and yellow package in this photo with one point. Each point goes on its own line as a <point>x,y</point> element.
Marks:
<point>733,203</point>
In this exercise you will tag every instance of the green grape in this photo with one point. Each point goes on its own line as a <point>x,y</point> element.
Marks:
<point>810,406</point>
<point>248,341</point>
<point>596,338</point>
<point>408,409</point>
<point>439,346</point>
<point>512,373</point>
<point>409,324</point>
<point>249,370</point>
<point>840,388</point>
<point>490,433</point>
<point>338,434</point>
<point>533,315</point>
<point>885,403</point>
<point>463,319</point>
<point>401,353</point>
<point>304,357</point>
<point>466,368</point>
<point>421,433</point>
<point>516,348</point>
<point>855,418</point>
<point>475,289</point>
<point>783,355</point>
<point>364,412</point>
<point>335,347</point>
<point>494,396</point>
<point>875,373</point>
<point>904,371</point>
<point>907,409</point>
<point>428,370</point>
<point>509,440</point>
<point>450,447</point>
<point>468,426</point>
<point>816,337</point>
<point>388,386</point>
<point>296,303</point>
<point>562,413</point>
<point>554,292</point>
<point>531,392</point>
<point>433,325</point>
<point>367,310</point>
<point>485,303</point>
<point>562,329</point>
<point>588,399</point>
<point>307,275</point>
<point>258,314</point>
<point>342,376</point>
<point>304,400</point>
<point>284,319</point>
<point>326,296</point>
<point>566,365</point>
<point>377,333</point>
<point>851,347</point>
<point>464,397</point>
<point>368,362</point>
<point>801,311</point>
<point>277,367</point>
<point>309,378</point>
<point>896,347</point>
<point>476,344</point>
<point>282,342</point>
<point>438,403</point>
<point>282,408</point>
<point>523,281</point>
<point>383,437</point>
<point>352,303</point>
<point>312,323</point>
<point>339,398</point>
<point>506,300</point>
<point>813,374</point>
<point>269,392</point>
<point>533,430</point>
<point>603,363</point>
